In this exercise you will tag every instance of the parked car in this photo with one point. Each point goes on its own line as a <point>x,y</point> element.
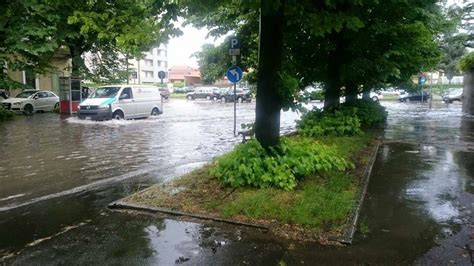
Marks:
<point>375,96</point>
<point>453,95</point>
<point>30,101</point>
<point>121,102</point>
<point>183,90</point>
<point>311,93</point>
<point>240,95</point>
<point>415,96</point>
<point>3,95</point>
<point>165,93</point>
<point>205,92</point>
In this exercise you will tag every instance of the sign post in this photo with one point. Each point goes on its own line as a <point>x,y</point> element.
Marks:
<point>161,75</point>
<point>422,81</point>
<point>234,75</point>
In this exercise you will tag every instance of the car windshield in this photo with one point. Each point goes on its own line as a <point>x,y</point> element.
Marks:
<point>25,94</point>
<point>105,92</point>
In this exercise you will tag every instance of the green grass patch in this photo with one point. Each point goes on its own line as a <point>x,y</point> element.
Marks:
<point>319,204</point>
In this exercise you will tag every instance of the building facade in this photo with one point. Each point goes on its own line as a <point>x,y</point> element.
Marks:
<point>147,68</point>
<point>61,66</point>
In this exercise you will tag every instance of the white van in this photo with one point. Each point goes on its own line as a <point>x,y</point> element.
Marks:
<point>121,102</point>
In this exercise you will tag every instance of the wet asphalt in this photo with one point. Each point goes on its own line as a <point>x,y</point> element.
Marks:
<point>58,174</point>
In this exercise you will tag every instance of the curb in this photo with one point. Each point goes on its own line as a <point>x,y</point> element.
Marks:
<point>350,230</point>
<point>346,238</point>
<point>122,205</point>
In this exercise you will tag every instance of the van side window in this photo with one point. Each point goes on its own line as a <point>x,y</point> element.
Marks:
<point>126,94</point>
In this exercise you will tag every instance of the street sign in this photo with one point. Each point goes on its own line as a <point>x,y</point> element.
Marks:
<point>161,74</point>
<point>234,74</point>
<point>234,43</point>
<point>234,46</point>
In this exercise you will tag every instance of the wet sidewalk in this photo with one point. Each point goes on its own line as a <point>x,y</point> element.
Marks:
<point>418,210</point>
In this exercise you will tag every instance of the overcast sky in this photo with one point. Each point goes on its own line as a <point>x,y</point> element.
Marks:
<point>180,49</point>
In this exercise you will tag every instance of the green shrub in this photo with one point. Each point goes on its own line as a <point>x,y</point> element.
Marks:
<point>369,112</point>
<point>467,62</point>
<point>251,165</point>
<point>317,123</point>
<point>5,114</point>
<point>344,120</point>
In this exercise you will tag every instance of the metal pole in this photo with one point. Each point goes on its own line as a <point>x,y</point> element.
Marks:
<point>235,109</point>
<point>234,62</point>
<point>431,89</point>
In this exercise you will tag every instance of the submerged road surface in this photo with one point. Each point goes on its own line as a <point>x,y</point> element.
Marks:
<point>418,208</point>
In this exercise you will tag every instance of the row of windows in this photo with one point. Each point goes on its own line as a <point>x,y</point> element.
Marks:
<point>149,62</point>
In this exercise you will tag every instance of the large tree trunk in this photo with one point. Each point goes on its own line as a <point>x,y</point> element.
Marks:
<point>267,123</point>
<point>468,93</point>
<point>77,61</point>
<point>351,92</point>
<point>333,84</point>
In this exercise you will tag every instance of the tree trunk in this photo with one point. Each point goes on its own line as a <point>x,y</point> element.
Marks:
<point>351,92</point>
<point>77,61</point>
<point>333,84</point>
<point>268,106</point>
<point>468,93</point>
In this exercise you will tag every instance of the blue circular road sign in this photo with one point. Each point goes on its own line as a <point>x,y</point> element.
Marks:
<point>234,74</point>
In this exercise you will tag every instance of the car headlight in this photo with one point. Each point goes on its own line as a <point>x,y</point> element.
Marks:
<point>18,103</point>
<point>104,107</point>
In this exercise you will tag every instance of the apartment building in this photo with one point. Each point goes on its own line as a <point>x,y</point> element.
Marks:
<point>147,68</point>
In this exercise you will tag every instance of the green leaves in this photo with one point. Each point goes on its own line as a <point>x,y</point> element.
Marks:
<point>345,120</point>
<point>467,62</point>
<point>250,165</point>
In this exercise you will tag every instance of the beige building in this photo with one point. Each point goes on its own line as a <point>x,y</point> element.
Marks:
<point>61,64</point>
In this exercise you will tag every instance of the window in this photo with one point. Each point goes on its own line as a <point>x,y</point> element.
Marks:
<point>51,94</point>
<point>148,74</point>
<point>148,62</point>
<point>126,94</point>
<point>42,95</point>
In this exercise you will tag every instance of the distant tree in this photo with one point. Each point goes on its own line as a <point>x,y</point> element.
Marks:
<point>212,62</point>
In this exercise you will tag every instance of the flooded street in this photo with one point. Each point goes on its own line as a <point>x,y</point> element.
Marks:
<point>58,175</point>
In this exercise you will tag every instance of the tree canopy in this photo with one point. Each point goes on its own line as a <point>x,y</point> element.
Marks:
<point>35,30</point>
<point>342,44</point>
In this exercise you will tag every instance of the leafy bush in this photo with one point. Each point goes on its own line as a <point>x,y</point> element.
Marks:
<point>369,112</point>
<point>317,123</point>
<point>467,62</point>
<point>5,114</point>
<point>344,120</point>
<point>251,165</point>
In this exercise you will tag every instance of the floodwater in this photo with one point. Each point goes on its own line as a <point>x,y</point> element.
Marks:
<point>418,208</point>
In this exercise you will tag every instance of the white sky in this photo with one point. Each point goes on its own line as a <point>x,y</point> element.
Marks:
<point>181,48</point>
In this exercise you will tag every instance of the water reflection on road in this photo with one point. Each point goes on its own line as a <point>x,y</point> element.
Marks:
<point>45,155</point>
<point>419,203</point>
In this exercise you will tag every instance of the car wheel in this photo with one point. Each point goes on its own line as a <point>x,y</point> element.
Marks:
<point>56,107</point>
<point>215,98</point>
<point>28,109</point>
<point>189,97</point>
<point>375,99</point>
<point>155,112</point>
<point>223,99</point>
<point>118,115</point>
<point>239,100</point>
<point>208,97</point>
